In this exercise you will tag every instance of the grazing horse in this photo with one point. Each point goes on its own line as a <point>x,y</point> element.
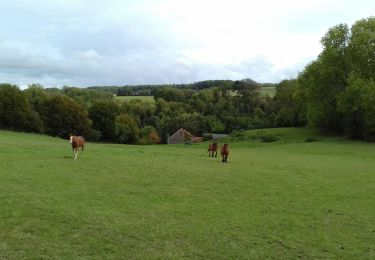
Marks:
<point>224,153</point>
<point>212,148</point>
<point>77,141</point>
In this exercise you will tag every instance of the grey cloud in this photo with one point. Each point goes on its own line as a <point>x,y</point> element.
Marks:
<point>81,43</point>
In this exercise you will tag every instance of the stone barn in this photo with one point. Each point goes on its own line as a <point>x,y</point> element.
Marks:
<point>182,136</point>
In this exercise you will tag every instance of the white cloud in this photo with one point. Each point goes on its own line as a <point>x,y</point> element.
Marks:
<point>95,42</point>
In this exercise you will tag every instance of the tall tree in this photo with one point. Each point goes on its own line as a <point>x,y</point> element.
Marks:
<point>15,110</point>
<point>103,114</point>
<point>362,48</point>
<point>63,116</point>
<point>325,78</point>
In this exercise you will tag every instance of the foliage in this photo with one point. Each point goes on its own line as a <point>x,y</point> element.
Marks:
<point>357,103</point>
<point>288,108</point>
<point>86,96</point>
<point>15,110</point>
<point>63,116</point>
<point>268,138</point>
<point>103,115</point>
<point>149,135</point>
<point>335,91</point>
<point>127,130</point>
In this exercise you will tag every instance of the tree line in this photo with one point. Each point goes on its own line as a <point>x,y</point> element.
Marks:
<point>335,93</point>
<point>96,114</point>
<point>149,90</point>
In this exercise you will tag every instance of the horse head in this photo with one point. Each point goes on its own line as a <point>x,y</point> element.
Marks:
<point>71,136</point>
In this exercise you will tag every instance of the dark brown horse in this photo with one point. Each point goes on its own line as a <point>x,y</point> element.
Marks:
<point>224,153</point>
<point>212,148</point>
<point>77,142</point>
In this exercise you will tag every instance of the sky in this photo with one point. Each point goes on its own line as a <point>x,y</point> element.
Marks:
<point>84,43</point>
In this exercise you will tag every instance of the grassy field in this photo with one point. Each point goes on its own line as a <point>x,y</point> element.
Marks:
<point>270,91</point>
<point>148,99</point>
<point>302,196</point>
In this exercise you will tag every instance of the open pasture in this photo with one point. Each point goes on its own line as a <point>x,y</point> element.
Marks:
<point>301,196</point>
<point>270,91</point>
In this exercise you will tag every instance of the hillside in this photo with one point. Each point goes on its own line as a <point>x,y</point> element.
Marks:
<point>302,195</point>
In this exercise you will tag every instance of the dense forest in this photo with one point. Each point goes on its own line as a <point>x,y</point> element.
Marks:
<point>335,93</point>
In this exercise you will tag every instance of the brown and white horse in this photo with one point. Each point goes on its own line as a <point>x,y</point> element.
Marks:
<point>224,153</point>
<point>212,148</point>
<point>77,141</point>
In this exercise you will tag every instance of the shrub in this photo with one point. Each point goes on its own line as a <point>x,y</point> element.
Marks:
<point>268,138</point>
<point>310,140</point>
<point>149,135</point>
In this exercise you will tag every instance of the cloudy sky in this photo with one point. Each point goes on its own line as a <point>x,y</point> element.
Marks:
<point>119,42</point>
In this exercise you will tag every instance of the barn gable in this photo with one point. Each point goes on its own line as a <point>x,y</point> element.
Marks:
<point>181,136</point>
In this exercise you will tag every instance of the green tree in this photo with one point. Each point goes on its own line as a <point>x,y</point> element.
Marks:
<point>85,96</point>
<point>36,96</point>
<point>170,94</point>
<point>215,125</point>
<point>248,97</point>
<point>103,115</point>
<point>63,116</point>
<point>138,109</point>
<point>357,104</point>
<point>325,78</point>
<point>362,48</point>
<point>127,130</point>
<point>289,110</point>
<point>16,112</point>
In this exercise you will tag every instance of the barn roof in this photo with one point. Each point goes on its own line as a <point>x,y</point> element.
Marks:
<point>180,133</point>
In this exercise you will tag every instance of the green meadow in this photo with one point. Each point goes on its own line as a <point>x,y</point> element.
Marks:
<point>284,194</point>
<point>270,91</point>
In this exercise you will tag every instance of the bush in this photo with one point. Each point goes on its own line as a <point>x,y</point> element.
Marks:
<point>310,140</point>
<point>149,135</point>
<point>269,138</point>
<point>238,135</point>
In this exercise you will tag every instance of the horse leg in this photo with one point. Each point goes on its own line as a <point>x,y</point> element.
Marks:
<point>82,148</point>
<point>215,154</point>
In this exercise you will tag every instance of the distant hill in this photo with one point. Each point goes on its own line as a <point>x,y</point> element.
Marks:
<point>147,90</point>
